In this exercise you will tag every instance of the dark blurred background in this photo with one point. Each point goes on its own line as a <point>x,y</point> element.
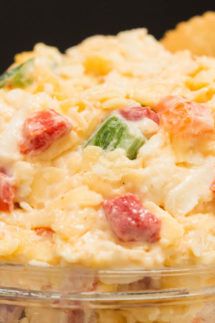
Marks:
<point>64,23</point>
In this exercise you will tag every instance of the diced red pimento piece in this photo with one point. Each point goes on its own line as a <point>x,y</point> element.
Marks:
<point>139,113</point>
<point>130,221</point>
<point>180,116</point>
<point>76,316</point>
<point>41,130</point>
<point>7,193</point>
<point>44,232</point>
<point>3,170</point>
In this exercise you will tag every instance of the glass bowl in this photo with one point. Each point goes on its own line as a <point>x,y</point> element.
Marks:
<point>30,294</point>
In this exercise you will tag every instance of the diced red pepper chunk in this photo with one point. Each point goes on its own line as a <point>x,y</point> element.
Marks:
<point>76,316</point>
<point>179,116</point>
<point>44,232</point>
<point>130,221</point>
<point>139,113</point>
<point>41,130</point>
<point>7,193</point>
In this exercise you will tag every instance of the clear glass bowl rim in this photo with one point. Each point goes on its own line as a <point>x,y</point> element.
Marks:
<point>20,294</point>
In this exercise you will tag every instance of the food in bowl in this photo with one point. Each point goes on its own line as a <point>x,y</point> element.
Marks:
<point>108,158</point>
<point>194,34</point>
